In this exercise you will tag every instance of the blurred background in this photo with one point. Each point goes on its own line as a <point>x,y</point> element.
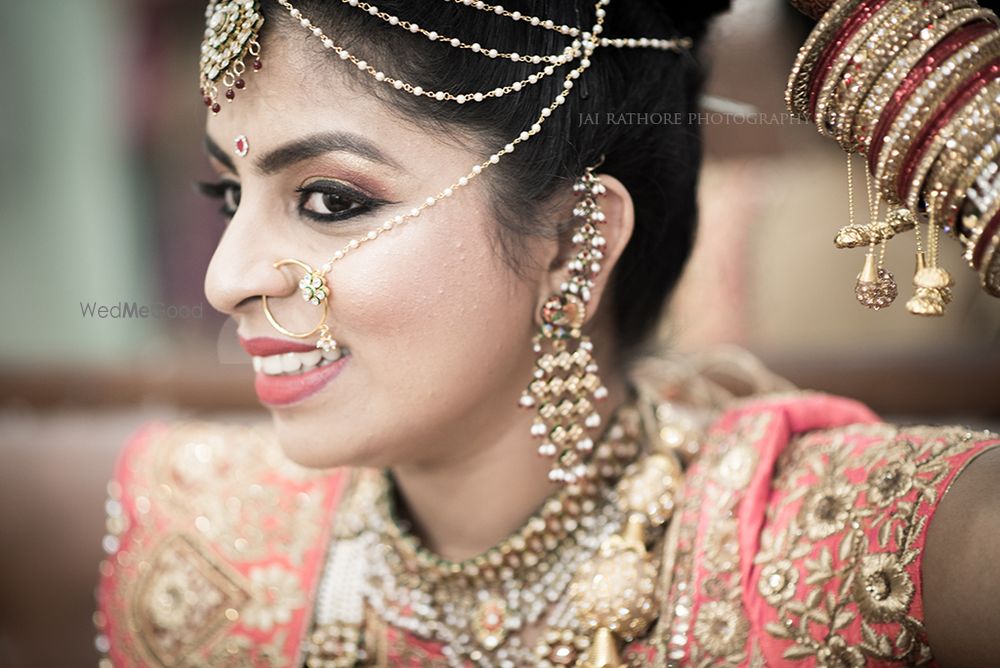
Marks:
<point>100,144</point>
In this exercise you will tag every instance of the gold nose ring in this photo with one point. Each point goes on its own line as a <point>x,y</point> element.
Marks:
<point>314,289</point>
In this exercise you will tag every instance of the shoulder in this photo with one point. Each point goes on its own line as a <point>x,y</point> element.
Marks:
<point>802,530</point>
<point>840,564</point>
<point>960,576</point>
<point>214,538</point>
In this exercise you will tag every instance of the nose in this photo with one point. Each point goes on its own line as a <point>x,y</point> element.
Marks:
<point>242,267</point>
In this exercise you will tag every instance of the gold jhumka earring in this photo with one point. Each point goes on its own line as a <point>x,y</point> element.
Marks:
<point>565,383</point>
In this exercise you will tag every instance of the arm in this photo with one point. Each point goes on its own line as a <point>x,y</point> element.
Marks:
<point>961,577</point>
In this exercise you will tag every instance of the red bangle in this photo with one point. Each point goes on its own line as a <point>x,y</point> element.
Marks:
<point>943,50</point>
<point>940,117</point>
<point>851,25</point>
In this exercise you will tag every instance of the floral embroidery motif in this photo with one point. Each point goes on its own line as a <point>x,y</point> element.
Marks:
<point>276,593</point>
<point>836,653</point>
<point>721,628</point>
<point>840,552</point>
<point>778,582</point>
<point>882,589</point>
<point>890,482</point>
<point>827,509</point>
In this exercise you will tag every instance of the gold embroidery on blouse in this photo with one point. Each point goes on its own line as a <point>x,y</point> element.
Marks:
<point>182,600</point>
<point>716,633</point>
<point>205,499</point>
<point>873,521</point>
<point>224,487</point>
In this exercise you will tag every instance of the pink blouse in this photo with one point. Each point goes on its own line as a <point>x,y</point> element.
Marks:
<point>797,541</point>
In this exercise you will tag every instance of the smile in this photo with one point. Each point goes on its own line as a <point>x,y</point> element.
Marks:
<point>287,372</point>
<point>295,363</point>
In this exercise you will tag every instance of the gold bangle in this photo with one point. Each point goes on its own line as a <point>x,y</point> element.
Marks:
<point>924,102</point>
<point>954,170</point>
<point>953,16</point>
<point>989,264</point>
<point>966,129</point>
<point>797,87</point>
<point>871,83</point>
<point>955,196</point>
<point>865,67</point>
<point>959,168</point>
<point>826,116</point>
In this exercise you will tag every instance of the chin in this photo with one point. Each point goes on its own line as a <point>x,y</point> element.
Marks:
<point>311,443</point>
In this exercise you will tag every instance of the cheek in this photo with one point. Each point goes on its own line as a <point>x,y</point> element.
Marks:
<point>434,301</point>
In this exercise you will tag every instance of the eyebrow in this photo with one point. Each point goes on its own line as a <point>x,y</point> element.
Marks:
<point>216,152</point>
<point>311,146</point>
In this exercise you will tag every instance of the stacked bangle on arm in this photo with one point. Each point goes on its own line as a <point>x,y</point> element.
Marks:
<point>914,86</point>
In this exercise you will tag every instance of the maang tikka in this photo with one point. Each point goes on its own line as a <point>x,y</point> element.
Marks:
<point>565,384</point>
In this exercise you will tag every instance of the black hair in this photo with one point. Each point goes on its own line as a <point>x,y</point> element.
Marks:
<point>634,107</point>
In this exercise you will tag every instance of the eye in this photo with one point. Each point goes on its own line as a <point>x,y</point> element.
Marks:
<point>328,201</point>
<point>227,191</point>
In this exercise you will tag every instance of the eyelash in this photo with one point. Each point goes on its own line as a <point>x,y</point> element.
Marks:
<point>332,188</point>
<point>229,191</point>
<point>220,191</point>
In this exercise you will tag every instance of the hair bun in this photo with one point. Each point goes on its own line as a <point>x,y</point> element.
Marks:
<point>693,18</point>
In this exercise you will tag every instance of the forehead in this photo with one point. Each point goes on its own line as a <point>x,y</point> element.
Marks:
<point>302,89</point>
<point>294,91</point>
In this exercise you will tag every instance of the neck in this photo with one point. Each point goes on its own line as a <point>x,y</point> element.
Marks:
<point>487,488</point>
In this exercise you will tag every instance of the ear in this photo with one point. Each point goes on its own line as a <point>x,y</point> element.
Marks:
<point>619,222</point>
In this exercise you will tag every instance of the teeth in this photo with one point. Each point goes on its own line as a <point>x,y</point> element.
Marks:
<point>311,358</point>
<point>290,362</point>
<point>295,363</point>
<point>272,365</point>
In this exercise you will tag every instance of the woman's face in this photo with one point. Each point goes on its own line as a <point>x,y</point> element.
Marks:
<point>437,327</point>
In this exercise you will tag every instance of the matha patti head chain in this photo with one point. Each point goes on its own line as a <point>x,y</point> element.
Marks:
<point>566,385</point>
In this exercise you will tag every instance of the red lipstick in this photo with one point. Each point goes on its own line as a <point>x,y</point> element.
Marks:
<point>286,389</point>
<point>263,346</point>
<point>289,389</point>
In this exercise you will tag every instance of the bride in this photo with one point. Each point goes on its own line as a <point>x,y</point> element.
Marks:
<point>447,286</point>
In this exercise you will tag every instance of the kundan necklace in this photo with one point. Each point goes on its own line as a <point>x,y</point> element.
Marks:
<point>578,568</point>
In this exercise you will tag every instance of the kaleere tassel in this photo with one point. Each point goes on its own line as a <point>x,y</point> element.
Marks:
<point>933,283</point>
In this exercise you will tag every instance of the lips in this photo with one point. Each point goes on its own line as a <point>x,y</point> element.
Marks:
<point>284,390</point>
<point>263,346</point>
<point>288,372</point>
